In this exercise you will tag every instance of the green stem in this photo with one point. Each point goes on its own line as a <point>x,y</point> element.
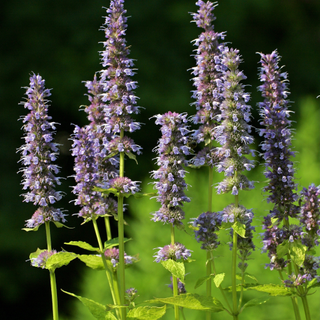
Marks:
<point>108,228</point>
<point>121,238</point>
<point>53,282</point>
<point>113,283</point>
<point>220,287</point>
<point>174,280</point>
<point>306,307</point>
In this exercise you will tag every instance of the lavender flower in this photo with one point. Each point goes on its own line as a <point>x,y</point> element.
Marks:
<point>112,254</point>
<point>41,260</point>
<point>172,149</point>
<point>124,185</point>
<point>276,146</point>
<point>175,252</point>
<point>117,86</point>
<point>88,176</point>
<point>181,287</point>
<point>277,152</point>
<point>207,78</point>
<point>131,295</point>
<point>38,155</point>
<point>205,229</point>
<point>233,133</point>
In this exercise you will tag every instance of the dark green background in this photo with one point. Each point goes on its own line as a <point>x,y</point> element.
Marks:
<point>60,40</point>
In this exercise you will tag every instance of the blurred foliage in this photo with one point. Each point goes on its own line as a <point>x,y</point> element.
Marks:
<point>60,40</point>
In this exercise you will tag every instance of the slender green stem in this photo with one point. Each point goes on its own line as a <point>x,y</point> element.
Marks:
<point>53,282</point>
<point>220,287</point>
<point>113,283</point>
<point>108,228</point>
<point>121,238</point>
<point>174,279</point>
<point>210,189</point>
<point>306,307</point>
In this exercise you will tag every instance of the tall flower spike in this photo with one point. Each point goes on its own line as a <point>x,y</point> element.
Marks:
<point>207,74</point>
<point>233,133</point>
<point>276,132</point>
<point>117,85</point>
<point>87,176</point>
<point>172,149</point>
<point>38,155</point>
<point>276,148</point>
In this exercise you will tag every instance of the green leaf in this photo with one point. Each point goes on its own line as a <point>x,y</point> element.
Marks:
<point>297,252</point>
<point>131,156</point>
<point>106,191</point>
<point>110,155</point>
<point>32,229</point>
<point>114,242</point>
<point>313,283</point>
<point>82,245</point>
<point>176,268</point>
<point>218,278</point>
<point>61,225</point>
<point>98,310</point>
<point>282,249</point>
<point>92,261</point>
<point>59,259</point>
<point>139,195</point>
<point>147,313</point>
<point>272,289</point>
<point>201,281</point>
<point>239,228</point>
<point>194,302</point>
<point>255,302</point>
<point>35,254</point>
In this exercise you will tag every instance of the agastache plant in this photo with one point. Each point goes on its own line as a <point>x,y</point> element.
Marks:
<point>39,171</point>
<point>172,150</point>
<point>289,246</point>
<point>220,132</point>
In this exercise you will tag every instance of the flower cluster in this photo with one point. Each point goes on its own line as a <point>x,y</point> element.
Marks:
<point>277,151</point>
<point>87,176</point>
<point>41,260</point>
<point>207,74</point>
<point>131,295</point>
<point>112,254</point>
<point>233,133</point>
<point>181,287</point>
<point>174,251</point>
<point>38,155</point>
<point>172,149</point>
<point>124,185</point>
<point>277,136</point>
<point>117,86</point>
<point>205,229</point>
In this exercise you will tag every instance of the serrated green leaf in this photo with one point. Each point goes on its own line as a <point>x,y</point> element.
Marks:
<point>132,156</point>
<point>282,249</point>
<point>98,310</point>
<point>218,278</point>
<point>314,283</point>
<point>272,289</point>
<point>297,252</point>
<point>176,268</point>
<point>147,313</point>
<point>239,228</point>
<point>114,242</point>
<point>82,245</point>
<point>201,281</point>
<point>193,301</point>
<point>254,302</point>
<point>106,191</point>
<point>92,261</point>
<point>59,259</point>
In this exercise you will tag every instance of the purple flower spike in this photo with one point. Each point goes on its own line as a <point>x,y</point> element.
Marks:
<point>207,81</point>
<point>172,149</point>
<point>38,155</point>
<point>206,227</point>
<point>87,176</point>
<point>276,132</point>
<point>234,132</point>
<point>175,252</point>
<point>118,87</point>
